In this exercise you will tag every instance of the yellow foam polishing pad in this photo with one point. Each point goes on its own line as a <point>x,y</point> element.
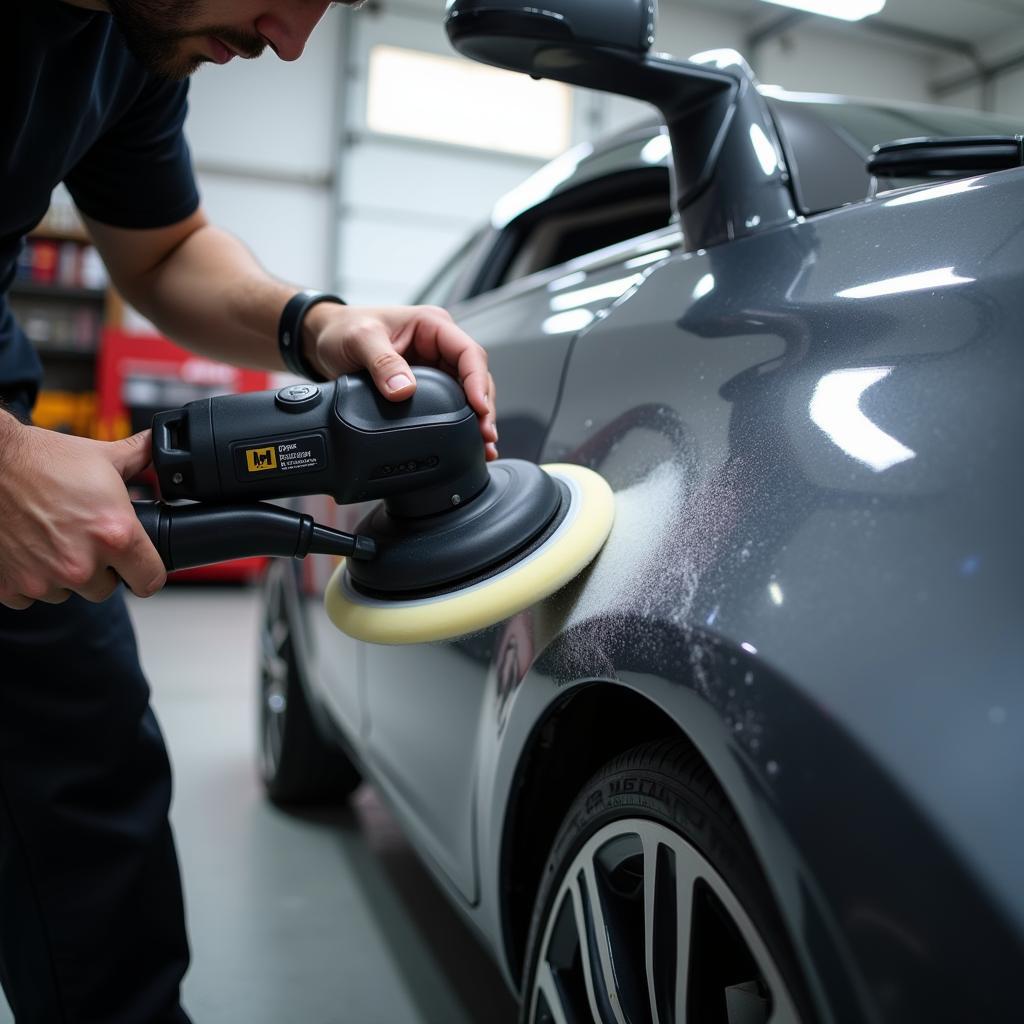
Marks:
<point>567,552</point>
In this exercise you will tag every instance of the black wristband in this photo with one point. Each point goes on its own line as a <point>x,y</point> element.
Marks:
<point>289,332</point>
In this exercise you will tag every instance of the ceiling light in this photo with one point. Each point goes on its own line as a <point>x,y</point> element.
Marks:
<point>847,10</point>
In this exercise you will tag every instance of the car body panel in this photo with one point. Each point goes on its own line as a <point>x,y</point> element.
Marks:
<point>815,573</point>
<point>871,578</point>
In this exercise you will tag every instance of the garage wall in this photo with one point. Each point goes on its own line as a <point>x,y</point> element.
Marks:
<point>404,204</point>
<point>293,171</point>
<point>1006,93</point>
<point>264,137</point>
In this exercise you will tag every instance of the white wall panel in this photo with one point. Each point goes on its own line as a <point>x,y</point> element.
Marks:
<point>287,226</point>
<point>388,262</point>
<point>1009,93</point>
<point>407,204</point>
<point>430,182</point>
<point>811,61</point>
<point>1007,89</point>
<point>270,114</point>
<point>264,138</point>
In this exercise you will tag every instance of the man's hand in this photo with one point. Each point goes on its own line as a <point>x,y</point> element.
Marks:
<point>68,524</point>
<point>345,339</point>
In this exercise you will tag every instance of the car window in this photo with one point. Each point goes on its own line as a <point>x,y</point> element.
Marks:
<point>559,238</point>
<point>442,288</point>
<point>609,197</point>
<point>828,141</point>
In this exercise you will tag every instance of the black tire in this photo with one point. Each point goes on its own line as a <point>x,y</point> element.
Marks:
<point>297,764</point>
<point>647,820</point>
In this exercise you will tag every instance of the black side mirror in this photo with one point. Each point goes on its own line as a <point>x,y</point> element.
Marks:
<point>511,33</point>
<point>729,172</point>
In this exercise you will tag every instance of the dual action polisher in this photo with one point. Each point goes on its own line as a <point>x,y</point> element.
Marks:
<point>454,544</point>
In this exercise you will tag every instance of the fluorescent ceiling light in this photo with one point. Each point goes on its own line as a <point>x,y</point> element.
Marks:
<point>847,10</point>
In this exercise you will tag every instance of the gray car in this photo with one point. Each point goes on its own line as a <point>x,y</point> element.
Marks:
<point>764,760</point>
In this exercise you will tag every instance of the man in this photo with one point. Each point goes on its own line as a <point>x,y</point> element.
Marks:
<point>91,922</point>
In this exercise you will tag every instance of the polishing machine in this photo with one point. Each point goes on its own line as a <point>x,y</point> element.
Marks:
<point>454,543</point>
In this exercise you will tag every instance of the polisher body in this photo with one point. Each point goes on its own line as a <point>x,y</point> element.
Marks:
<point>454,545</point>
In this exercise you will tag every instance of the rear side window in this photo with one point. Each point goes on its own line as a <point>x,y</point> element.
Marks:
<point>609,197</point>
<point>557,238</point>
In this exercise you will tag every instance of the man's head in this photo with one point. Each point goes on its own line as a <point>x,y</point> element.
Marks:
<point>173,38</point>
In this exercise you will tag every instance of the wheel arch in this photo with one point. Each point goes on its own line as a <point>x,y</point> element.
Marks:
<point>587,726</point>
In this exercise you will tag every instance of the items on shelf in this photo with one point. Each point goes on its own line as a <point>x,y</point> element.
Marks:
<point>64,328</point>
<point>66,263</point>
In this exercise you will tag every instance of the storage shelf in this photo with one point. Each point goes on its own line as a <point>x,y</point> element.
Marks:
<point>61,292</point>
<point>55,352</point>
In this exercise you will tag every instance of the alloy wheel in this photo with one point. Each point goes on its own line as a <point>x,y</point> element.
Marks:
<point>643,930</point>
<point>275,669</point>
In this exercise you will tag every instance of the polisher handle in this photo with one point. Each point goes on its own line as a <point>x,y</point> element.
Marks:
<point>187,536</point>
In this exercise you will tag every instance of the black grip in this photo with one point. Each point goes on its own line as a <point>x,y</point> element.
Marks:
<point>187,536</point>
<point>423,455</point>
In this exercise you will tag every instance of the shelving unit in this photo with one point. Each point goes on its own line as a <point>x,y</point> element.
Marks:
<point>63,301</point>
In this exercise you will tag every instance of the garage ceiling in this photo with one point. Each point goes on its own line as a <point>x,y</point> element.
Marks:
<point>969,21</point>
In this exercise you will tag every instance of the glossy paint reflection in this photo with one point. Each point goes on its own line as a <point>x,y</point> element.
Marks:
<point>835,407</point>
<point>922,280</point>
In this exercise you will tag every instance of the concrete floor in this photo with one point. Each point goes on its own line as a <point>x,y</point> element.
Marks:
<point>321,918</point>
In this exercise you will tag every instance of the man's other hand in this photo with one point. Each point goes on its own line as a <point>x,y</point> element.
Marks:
<point>384,341</point>
<point>68,523</point>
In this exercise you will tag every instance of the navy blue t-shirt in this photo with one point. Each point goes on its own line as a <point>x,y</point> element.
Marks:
<point>77,107</point>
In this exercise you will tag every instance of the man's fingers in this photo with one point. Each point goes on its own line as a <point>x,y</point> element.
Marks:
<point>100,587</point>
<point>136,561</point>
<point>439,339</point>
<point>493,402</point>
<point>16,602</point>
<point>56,596</point>
<point>369,345</point>
<point>132,455</point>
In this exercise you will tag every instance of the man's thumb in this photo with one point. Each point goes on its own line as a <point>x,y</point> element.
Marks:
<point>132,455</point>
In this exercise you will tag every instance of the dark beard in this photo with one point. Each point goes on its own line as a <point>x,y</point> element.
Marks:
<point>155,35</point>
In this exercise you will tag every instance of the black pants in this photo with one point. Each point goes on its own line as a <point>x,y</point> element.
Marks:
<point>91,917</point>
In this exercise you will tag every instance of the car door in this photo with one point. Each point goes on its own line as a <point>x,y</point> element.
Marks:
<point>424,704</point>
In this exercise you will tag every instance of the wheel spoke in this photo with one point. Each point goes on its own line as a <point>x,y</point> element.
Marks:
<point>273,734</point>
<point>685,879</point>
<point>549,989</point>
<point>583,930</point>
<point>600,948</point>
<point>279,634</point>
<point>657,879</point>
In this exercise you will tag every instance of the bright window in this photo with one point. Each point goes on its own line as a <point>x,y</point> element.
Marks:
<point>447,99</point>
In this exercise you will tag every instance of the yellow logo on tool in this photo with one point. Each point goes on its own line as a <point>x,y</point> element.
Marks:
<point>259,459</point>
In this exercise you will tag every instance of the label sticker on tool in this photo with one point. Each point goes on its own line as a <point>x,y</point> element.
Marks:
<point>293,455</point>
<point>258,460</point>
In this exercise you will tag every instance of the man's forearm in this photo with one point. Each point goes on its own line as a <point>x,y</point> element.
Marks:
<point>203,288</point>
<point>211,295</point>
